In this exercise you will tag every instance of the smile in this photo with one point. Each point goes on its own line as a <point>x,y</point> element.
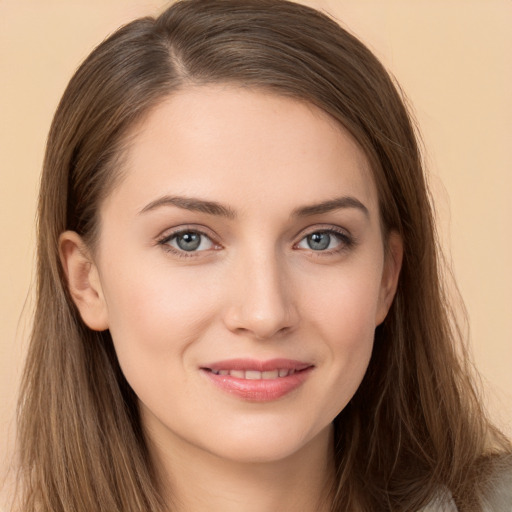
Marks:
<point>258,381</point>
<point>255,374</point>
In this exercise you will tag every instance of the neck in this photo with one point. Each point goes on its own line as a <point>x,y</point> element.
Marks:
<point>198,481</point>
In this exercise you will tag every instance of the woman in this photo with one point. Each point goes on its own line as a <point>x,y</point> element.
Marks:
<point>239,302</point>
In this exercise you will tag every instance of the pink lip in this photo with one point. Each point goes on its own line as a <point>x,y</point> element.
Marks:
<point>263,390</point>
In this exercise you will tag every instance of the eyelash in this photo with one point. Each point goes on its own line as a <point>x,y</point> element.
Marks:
<point>164,242</point>
<point>346,240</point>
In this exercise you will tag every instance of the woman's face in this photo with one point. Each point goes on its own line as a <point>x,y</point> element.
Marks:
<point>241,272</point>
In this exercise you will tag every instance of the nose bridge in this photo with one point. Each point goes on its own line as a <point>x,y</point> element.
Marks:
<point>262,304</point>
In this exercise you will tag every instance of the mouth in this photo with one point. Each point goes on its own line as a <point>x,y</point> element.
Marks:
<point>255,374</point>
<point>258,381</point>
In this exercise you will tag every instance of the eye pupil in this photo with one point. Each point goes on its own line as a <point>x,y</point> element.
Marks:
<point>188,241</point>
<point>319,241</point>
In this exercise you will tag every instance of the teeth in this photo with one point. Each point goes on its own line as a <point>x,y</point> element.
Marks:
<point>252,375</point>
<point>255,374</point>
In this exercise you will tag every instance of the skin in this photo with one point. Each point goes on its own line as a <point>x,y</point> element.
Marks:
<point>255,288</point>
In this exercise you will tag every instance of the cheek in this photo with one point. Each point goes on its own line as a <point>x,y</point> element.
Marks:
<point>343,317</point>
<point>344,303</point>
<point>154,316</point>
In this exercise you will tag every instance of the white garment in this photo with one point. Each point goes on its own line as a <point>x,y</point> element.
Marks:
<point>498,498</point>
<point>443,503</point>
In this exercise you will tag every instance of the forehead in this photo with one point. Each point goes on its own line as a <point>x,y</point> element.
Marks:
<point>243,147</point>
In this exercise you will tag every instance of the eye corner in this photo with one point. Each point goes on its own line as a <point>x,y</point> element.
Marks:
<point>188,241</point>
<point>325,237</point>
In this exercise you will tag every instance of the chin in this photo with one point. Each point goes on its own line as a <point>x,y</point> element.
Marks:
<point>269,445</point>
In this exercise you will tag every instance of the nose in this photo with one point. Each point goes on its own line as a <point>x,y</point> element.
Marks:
<point>261,303</point>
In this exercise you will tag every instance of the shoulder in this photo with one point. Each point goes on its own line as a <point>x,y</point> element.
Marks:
<point>442,503</point>
<point>497,496</point>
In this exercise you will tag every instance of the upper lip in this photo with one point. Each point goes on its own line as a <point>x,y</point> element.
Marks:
<point>257,365</point>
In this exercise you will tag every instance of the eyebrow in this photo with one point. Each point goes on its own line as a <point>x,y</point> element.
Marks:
<point>338,203</point>
<point>218,209</point>
<point>193,204</point>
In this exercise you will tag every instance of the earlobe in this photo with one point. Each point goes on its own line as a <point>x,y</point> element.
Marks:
<point>83,281</point>
<point>390,275</point>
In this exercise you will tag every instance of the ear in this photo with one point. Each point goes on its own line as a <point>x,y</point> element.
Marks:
<point>83,281</point>
<point>391,271</point>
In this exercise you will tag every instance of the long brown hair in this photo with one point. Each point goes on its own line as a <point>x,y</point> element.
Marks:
<point>415,425</point>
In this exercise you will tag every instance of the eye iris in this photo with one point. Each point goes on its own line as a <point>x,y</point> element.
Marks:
<point>319,241</point>
<point>188,241</point>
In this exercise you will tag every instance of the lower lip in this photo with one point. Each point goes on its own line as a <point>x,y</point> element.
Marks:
<point>259,390</point>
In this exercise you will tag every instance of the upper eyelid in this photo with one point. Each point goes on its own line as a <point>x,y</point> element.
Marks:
<point>165,238</point>
<point>169,233</point>
<point>324,228</point>
<point>346,239</point>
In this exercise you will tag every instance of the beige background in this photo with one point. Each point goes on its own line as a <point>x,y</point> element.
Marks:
<point>453,59</point>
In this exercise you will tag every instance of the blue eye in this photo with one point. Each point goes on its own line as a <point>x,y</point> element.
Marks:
<point>323,241</point>
<point>189,241</point>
